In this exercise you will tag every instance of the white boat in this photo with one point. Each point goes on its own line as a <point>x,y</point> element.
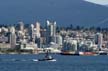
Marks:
<point>46,58</point>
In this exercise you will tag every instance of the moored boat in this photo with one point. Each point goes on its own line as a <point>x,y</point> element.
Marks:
<point>87,53</point>
<point>69,53</point>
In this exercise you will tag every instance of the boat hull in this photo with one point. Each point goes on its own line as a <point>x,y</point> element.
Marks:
<point>69,53</point>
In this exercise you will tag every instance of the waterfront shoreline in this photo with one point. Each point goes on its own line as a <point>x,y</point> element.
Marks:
<point>13,53</point>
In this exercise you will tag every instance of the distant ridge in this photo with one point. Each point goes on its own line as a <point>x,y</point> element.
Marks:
<point>106,5</point>
<point>76,12</point>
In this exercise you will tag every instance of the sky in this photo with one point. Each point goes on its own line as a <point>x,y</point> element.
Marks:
<point>101,2</point>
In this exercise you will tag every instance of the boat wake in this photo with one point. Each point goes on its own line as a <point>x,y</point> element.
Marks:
<point>43,60</point>
<point>23,60</point>
<point>14,60</point>
<point>35,60</point>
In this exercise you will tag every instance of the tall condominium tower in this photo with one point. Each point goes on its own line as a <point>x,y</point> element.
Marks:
<point>21,26</point>
<point>21,32</point>
<point>32,33</point>
<point>12,37</point>
<point>37,27</point>
<point>99,39</point>
<point>59,40</point>
<point>50,32</point>
<point>37,34</point>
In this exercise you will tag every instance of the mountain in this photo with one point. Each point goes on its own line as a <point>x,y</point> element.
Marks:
<point>106,5</point>
<point>76,12</point>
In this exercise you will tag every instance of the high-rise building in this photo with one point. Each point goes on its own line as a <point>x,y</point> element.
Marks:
<point>51,28</point>
<point>12,37</point>
<point>59,40</point>
<point>37,26</point>
<point>20,33</point>
<point>32,34</point>
<point>21,26</point>
<point>50,32</point>
<point>99,39</point>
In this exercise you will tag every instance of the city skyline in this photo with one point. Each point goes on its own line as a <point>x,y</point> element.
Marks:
<point>53,35</point>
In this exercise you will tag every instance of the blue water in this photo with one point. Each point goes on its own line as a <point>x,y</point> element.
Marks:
<point>63,63</point>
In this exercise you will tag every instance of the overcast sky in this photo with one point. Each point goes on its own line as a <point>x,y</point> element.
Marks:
<point>102,2</point>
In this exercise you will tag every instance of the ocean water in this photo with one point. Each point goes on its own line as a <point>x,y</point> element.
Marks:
<point>63,63</point>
